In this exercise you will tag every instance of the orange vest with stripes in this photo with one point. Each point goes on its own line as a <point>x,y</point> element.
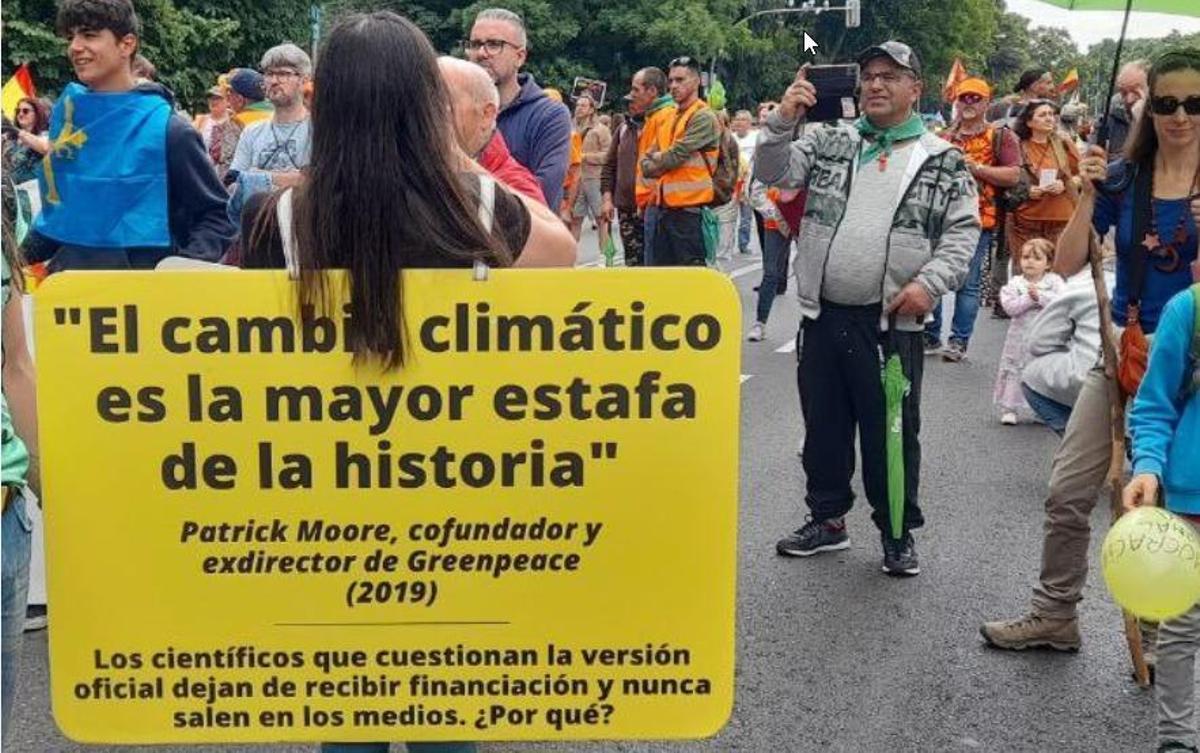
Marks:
<point>690,184</point>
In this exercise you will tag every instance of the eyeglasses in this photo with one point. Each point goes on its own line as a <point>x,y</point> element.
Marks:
<point>1170,105</point>
<point>685,62</point>
<point>281,73</point>
<point>491,46</point>
<point>889,78</point>
<point>970,99</point>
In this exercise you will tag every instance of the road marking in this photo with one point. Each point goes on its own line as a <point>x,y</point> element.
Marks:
<point>744,378</point>
<point>787,347</point>
<point>743,271</point>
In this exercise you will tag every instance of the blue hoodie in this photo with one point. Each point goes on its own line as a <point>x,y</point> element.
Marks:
<point>538,133</point>
<point>1165,421</point>
<point>195,210</point>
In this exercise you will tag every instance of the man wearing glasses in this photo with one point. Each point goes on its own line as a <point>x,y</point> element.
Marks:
<point>683,161</point>
<point>271,153</point>
<point>890,224</point>
<point>993,156</point>
<point>536,128</point>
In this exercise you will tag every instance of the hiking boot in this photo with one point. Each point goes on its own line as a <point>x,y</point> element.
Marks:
<point>956,350</point>
<point>815,537</point>
<point>1032,631</point>
<point>756,333</point>
<point>1174,746</point>
<point>900,556</point>
<point>933,345</point>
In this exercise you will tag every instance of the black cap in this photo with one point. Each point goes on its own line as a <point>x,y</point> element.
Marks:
<point>898,52</point>
<point>1029,78</point>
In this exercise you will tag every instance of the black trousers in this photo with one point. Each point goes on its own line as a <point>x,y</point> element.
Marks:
<point>679,240</point>
<point>841,390</point>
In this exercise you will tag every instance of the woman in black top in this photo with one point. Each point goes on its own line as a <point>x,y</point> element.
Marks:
<point>388,188</point>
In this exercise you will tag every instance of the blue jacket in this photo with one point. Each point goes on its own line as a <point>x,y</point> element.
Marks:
<point>1165,421</point>
<point>538,133</point>
<point>195,210</point>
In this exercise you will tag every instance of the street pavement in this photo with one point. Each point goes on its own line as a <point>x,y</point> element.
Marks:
<point>834,656</point>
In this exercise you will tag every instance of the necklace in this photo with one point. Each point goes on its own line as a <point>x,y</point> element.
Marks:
<point>1166,256</point>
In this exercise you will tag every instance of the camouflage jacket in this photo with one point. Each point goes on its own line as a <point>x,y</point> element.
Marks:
<point>935,215</point>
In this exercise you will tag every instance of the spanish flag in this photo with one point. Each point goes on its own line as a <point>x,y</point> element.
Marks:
<point>17,88</point>
<point>1069,83</point>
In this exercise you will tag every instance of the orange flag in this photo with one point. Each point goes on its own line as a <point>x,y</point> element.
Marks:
<point>957,74</point>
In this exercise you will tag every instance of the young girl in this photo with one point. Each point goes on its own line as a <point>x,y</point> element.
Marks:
<point>1165,424</point>
<point>1022,298</point>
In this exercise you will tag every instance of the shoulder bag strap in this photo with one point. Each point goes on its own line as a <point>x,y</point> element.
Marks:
<point>1143,188</point>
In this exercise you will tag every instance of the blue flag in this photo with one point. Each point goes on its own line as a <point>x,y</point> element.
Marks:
<point>104,181</point>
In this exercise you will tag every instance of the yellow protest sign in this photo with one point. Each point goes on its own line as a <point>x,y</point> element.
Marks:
<point>527,532</point>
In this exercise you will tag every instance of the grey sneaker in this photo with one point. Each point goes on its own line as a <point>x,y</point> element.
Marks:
<point>955,351</point>
<point>933,345</point>
<point>814,538</point>
<point>900,556</point>
<point>1033,631</point>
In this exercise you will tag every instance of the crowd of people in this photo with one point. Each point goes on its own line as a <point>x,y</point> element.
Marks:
<point>308,168</point>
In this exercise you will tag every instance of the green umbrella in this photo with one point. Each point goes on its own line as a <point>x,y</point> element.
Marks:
<point>1178,7</point>
<point>895,387</point>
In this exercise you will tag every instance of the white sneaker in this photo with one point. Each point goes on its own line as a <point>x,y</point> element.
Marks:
<point>1009,419</point>
<point>756,333</point>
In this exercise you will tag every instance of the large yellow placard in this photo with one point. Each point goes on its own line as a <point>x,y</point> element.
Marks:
<point>527,532</point>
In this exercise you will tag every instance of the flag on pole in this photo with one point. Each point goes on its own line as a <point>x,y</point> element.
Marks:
<point>958,74</point>
<point>17,88</point>
<point>1070,83</point>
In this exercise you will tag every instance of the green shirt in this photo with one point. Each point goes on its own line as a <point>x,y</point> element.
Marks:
<point>13,455</point>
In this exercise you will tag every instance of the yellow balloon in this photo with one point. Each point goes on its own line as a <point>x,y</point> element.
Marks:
<point>1151,563</point>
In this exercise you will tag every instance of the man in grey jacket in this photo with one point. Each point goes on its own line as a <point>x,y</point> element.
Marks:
<point>890,225</point>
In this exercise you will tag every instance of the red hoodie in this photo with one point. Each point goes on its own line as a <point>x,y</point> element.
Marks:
<point>498,161</point>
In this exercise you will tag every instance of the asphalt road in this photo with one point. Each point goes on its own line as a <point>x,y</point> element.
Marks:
<point>834,656</point>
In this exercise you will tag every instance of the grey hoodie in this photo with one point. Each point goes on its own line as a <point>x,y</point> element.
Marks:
<point>1064,340</point>
<point>935,214</point>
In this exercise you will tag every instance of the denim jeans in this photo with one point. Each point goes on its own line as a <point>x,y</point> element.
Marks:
<point>17,537</point>
<point>412,748</point>
<point>966,300</point>
<point>776,250</point>
<point>1053,413</point>
<point>650,217</point>
<point>745,220</point>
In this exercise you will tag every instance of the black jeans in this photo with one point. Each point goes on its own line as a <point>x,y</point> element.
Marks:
<point>678,240</point>
<point>841,390</point>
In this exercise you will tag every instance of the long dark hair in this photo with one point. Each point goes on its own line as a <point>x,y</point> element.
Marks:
<point>1021,126</point>
<point>383,189</point>
<point>41,114</point>
<point>1143,142</point>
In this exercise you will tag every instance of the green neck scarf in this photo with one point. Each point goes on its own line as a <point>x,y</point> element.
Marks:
<point>883,139</point>
<point>660,103</point>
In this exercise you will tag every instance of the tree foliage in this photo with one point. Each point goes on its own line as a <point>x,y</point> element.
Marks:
<point>191,41</point>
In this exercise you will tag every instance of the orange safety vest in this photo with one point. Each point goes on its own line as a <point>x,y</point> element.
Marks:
<point>690,184</point>
<point>655,136</point>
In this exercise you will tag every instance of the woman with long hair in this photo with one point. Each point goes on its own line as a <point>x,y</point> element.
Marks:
<point>1152,199</point>
<point>388,189</point>
<point>1049,161</point>
<point>30,139</point>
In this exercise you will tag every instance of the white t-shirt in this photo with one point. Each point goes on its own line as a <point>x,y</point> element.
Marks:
<point>746,146</point>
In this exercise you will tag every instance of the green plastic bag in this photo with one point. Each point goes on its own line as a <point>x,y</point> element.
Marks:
<point>610,251</point>
<point>710,231</point>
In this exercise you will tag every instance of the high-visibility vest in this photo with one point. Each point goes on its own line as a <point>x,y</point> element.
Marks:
<point>690,184</point>
<point>654,136</point>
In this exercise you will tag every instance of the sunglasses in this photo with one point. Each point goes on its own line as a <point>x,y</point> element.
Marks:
<point>970,99</point>
<point>24,111</point>
<point>1170,105</point>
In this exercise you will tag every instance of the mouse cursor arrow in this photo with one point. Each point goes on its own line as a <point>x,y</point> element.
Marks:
<point>810,44</point>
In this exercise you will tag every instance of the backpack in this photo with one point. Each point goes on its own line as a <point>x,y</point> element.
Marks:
<point>725,172</point>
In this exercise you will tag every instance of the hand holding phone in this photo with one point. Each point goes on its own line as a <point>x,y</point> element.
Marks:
<point>800,96</point>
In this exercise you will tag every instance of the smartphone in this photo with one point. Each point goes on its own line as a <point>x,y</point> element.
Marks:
<point>837,92</point>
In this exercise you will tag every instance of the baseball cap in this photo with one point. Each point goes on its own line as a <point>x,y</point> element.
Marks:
<point>973,86</point>
<point>898,52</point>
<point>247,82</point>
<point>216,91</point>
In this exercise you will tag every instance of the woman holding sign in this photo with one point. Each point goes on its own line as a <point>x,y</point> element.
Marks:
<point>387,190</point>
<point>1048,162</point>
